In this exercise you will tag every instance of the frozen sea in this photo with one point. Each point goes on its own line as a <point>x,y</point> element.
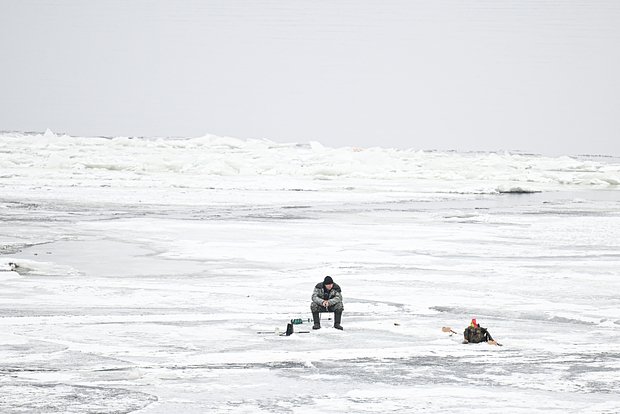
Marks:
<point>135,274</point>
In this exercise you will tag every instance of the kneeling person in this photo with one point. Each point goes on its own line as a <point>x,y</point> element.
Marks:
<point>327,297</point>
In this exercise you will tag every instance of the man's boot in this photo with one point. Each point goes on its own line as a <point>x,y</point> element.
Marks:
<point>317,321</point>
<point>337,319</point>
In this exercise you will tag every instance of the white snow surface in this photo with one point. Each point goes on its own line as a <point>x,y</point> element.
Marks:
<point>136,273</point>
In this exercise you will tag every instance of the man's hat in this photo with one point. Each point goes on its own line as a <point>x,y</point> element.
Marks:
<point>474,323</point>
<point>328,280</point>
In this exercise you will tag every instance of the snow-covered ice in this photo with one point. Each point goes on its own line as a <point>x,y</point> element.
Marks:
<point>135,274</point>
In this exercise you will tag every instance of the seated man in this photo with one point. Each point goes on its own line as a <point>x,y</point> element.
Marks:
<point>475,333</point>
<point>327,297</point>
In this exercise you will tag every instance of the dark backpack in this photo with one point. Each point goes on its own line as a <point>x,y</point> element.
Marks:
<point>475,335</point>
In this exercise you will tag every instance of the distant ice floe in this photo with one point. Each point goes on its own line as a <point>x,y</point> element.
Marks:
<point>515,190</point>
<point>37,159</point>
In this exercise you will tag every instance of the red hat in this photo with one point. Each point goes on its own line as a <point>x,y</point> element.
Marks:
<point>474,323</point>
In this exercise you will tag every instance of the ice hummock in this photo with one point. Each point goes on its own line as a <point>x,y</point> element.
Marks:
<point>212,161</point>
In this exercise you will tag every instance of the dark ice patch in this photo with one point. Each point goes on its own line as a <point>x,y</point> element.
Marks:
<point>24,397</point>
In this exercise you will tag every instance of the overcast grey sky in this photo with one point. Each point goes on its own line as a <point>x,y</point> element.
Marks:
<point>534,75</point>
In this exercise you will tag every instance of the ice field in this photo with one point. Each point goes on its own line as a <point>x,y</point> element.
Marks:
<point>135,274</point>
